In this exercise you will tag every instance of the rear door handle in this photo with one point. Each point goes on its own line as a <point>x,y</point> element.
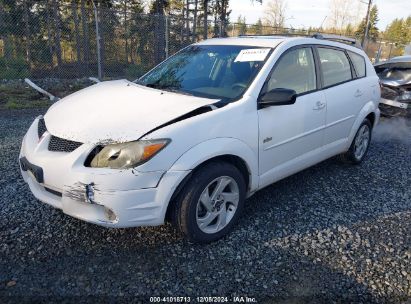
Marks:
<point>319,105</point>
<point>358,93</point>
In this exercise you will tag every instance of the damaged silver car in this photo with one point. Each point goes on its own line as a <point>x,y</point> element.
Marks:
<point>395,77</point>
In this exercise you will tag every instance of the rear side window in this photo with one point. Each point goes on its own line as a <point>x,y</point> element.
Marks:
<point>335,66</point>
<point>296,71</point>
<point>359,64</point>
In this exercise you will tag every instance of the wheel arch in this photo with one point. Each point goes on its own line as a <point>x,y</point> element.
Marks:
<point>239,155</point>
<point>371,117</point>
<point>231,150</point>
<point>238,162</point>
<point>369,111</point>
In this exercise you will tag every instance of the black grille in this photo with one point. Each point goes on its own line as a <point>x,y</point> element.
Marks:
<point>57,193</point>
<point>389,93</point>
<point>63,145</point>
<point>41,127</point>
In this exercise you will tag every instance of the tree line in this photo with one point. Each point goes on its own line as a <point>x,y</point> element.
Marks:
<point>59,36</point>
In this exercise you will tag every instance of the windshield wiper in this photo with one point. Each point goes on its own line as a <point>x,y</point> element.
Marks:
<point>168,88</point>
<point>154,85</point>
<point>174,90</point>
<point>138,81</point>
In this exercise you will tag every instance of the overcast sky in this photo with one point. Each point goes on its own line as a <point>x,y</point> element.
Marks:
<point>305,13</point>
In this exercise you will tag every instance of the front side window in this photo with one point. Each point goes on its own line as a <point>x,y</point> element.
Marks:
<point>213,71</point>
<point>359,64</point>
<point>295,70</point>
<point>335,66</point>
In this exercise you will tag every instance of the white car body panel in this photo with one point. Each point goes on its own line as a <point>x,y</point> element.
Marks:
<point>91,115</point>
<point>218,147</point>
<point>298,136</point>
<point>270,144</point>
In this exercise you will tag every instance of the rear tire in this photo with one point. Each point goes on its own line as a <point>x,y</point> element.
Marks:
<point>359,146</point>
<point>211,202</point>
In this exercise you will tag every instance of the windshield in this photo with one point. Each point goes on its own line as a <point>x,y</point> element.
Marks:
<point>213,71</point>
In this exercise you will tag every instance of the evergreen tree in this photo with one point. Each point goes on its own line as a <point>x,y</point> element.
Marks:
<point>241,25</point>
<point>399,30</point>
<point>221,16</point>
<point>349,30</point>
<point>373,31</point>
<point>257,28</point>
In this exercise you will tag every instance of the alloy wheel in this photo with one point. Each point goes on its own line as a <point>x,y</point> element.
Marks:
<point>217,204</point>
<point>361,142</point>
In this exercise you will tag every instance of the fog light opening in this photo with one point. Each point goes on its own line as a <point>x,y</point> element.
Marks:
<point>90,193</point>
<point>110,215</point>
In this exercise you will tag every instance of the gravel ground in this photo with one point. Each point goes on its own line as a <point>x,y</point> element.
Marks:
<point>332,233</point>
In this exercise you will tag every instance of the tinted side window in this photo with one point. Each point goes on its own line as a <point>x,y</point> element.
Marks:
<point>295,70</point>
<point>359,63</point>
<point>334,65</point>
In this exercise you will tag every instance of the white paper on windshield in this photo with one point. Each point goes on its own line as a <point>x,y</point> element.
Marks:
<point>248,55</point>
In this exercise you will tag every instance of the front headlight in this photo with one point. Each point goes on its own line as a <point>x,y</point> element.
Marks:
<point>128,155</point>
<point>405,96</point>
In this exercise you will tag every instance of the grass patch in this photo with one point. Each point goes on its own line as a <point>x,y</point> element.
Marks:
<point>13,104</point>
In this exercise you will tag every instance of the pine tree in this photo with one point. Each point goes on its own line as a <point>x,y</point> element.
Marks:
<point>258,27</point>
<point>373,31</point>
<point>242,26</point>
<point>399,30</point>
<point>349,30</point>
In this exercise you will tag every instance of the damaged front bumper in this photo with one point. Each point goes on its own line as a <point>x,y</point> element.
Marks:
<point>394,103</point>
<point>107,197</point>
<point>393,108</point>
<point>391,103</point>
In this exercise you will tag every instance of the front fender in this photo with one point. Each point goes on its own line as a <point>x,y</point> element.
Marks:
<point>218,147</point>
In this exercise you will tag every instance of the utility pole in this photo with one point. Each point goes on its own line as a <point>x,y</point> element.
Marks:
<point>322,23</point>
<point>367,24</point>
<point>166,34</point>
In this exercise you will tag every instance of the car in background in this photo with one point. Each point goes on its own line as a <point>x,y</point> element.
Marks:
<point>395,77</point>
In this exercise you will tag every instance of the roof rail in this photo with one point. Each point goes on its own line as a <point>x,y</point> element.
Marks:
<point>336,38</point>
<point>331,37</point>
<point>283,35</point>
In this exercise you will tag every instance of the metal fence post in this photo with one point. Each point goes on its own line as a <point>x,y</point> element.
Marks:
<point>166,35</point>
<point>98,42</point>
<point>389,55</point>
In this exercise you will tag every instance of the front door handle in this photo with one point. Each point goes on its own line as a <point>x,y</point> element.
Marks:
<point>319,105</point>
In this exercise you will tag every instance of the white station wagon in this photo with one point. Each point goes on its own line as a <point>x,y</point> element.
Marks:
<point>194,137</point>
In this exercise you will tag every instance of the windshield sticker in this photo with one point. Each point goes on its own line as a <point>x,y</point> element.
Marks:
<point>252,55</point>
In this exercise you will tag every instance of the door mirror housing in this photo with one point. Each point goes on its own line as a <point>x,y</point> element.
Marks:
<point>277,97</point>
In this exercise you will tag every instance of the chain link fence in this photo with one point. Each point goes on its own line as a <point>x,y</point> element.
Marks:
<point>71,42</point>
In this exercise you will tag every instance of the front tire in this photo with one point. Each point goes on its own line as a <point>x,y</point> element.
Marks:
<point>211,202</point>
<point>360,144</point>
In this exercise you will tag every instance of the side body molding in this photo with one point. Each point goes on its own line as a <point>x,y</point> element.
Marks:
<point>219,147</point>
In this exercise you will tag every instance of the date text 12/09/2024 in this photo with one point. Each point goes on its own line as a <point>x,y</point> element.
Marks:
<point>235,299</point>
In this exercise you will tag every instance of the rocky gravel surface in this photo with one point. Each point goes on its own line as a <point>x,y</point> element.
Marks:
<point>333,233</point>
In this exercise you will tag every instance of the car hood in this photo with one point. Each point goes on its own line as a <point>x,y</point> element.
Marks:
<point>395,83</point>
<point>116,111</point>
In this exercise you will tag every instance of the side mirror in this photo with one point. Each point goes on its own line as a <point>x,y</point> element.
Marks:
<point>277,97</point>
